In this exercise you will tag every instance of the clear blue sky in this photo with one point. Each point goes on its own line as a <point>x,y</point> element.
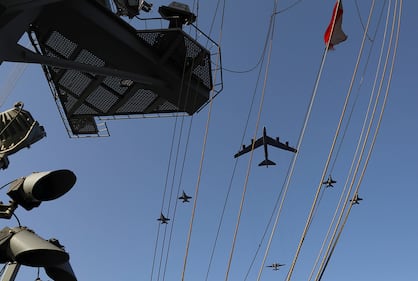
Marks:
<point>108,220</point>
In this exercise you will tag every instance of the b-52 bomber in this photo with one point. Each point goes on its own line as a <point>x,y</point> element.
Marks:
<point>265,140</point>
<point>275,266</point>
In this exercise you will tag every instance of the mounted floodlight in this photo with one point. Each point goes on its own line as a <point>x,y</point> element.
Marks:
<point>61,272</point>
<point>30,191</point>
<point>25,247</point>
<point>18,130</point>
<point>177,14</point>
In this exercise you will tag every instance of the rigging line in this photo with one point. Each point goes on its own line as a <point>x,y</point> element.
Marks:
<point>11,80</point>
<point>214,16</point>
<point>178,193</point>
<point>164,193</point>
<point>4,185</point>
<point>295,158</point>
<point>289,7</point>
<point>373,141</point>
<point>263,53</point>
<point>236,161</point>
<point>162,251</point>
<point>358,91</point>
<point>282,191</point>
<point>332,250</point>
<point>232,177</point>
<point>269,53</point>
<point>309,219</point>
<point>175,167</point>
<point>276,206</point>
<point>167,176</point>
<point>202,157</point>
<point>290,173</point>
<point>321,195</point>
<point>169,205</point>
<point>197,190</point>
<point>181,174</point>
<point>381,85</point>
<point>329,253</point>
<point>361,21</point>
<point>196,6</point>
<point>327,235</point>
<point>386,94</point>
<point>17,219</point>
<point>371,149</point>
<point>261,58</point>
<point>168,211</point>
<point>221,221</point>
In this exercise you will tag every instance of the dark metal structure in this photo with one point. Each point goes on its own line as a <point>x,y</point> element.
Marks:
<point>18,130</point>
<point>100,66</point>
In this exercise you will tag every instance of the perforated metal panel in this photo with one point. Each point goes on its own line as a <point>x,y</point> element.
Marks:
<point>188,51</point>
<point>177,66</point>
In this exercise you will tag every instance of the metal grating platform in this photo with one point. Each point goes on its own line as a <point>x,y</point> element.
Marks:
<point>99,66</point>
<point>84,95</point>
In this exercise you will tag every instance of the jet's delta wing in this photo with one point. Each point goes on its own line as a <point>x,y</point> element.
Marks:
<point>163,219</point>
<point>184,197</point>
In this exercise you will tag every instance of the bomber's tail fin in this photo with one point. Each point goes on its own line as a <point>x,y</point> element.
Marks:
<point>267,163</point>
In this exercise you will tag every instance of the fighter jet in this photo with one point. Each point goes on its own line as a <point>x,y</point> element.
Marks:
<point>163,219</point>
<point>185,197</point>
<point>275,266</point>
<point>329,182</point>
<point>265,140</point>
<point>356,199</point>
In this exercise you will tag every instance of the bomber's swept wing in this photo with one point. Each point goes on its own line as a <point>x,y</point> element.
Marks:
<point>250,147</point>
<point>277,143</point>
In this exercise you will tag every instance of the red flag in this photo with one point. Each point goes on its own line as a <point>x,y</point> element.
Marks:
<point>335,26</point>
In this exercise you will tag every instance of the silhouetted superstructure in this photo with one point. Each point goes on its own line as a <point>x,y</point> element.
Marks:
<point>98,65</point>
